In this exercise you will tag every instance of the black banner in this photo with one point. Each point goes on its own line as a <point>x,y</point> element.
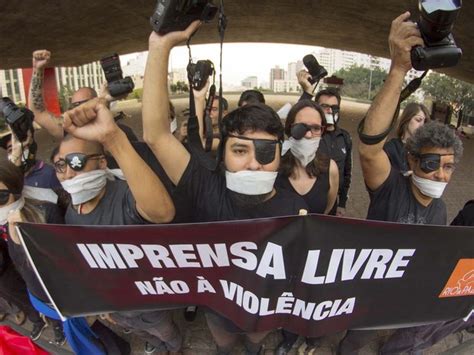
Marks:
<point>312,275</point>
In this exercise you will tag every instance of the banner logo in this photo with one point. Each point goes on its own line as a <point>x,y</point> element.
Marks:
<point>461,281</point>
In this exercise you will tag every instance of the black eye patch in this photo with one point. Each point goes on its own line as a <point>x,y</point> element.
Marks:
<point>430,162</point>
<point>265,149</point>
<point>299,130</point>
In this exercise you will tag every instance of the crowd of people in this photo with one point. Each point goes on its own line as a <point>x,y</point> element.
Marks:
<point>102,174</point>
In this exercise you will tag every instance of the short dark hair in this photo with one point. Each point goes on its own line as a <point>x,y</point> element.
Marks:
<point>329,92</point>
<point>96,147</point>
<point>251,97</point>
<point>225,103</point>
<point>435,135</point>
<point>252,118</point>
<point>12,176</point>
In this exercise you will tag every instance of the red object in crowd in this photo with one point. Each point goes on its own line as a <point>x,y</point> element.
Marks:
<point>12,343</point>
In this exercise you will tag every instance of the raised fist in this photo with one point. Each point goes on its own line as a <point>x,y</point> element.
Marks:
<point>91,121</point>
<point>41,58</point>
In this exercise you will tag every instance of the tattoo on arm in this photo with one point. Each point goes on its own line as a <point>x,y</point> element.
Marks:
<point>37,91</point>
<point>57,120</point>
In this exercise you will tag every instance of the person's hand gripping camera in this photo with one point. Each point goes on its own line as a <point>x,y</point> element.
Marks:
<point>404,35</point>
<point>172,39</point>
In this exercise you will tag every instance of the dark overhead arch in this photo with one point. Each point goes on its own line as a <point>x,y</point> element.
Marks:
<point>81,31</point>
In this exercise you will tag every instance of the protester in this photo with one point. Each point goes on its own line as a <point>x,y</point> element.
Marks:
<point>465,217</point>
<point>311,175</point>
<point>251,155</point>
<point>251,97</point>
<point>308,172</point>
<point>433,152</point>
<point>47,120</point>
<point>38,174</point>
<point>99,199</point>
<point>414,116</point>
<point>336,142</point>
<point>16,208</point>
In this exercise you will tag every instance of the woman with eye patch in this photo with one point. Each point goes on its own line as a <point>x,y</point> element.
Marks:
<point>308,173</point>
<point>413,117</point>
<point>303,170</point>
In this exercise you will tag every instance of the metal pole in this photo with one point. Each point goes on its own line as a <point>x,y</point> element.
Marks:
<point>370,77</point>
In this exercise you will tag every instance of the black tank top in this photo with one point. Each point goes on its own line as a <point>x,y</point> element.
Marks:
<point>316,198</point>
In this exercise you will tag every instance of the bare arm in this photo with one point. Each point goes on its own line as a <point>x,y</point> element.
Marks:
<point>94,122</point>
<point>200,105</point>
<point>156,131</point>
<point>333,186</point>
<point>374,161</point>
<point>36,103</point>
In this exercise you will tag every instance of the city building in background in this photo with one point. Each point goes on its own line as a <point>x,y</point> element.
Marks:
<point>250,82</point>
<point>11,85</point>
<point>90,75</point>
<point>276,73</point>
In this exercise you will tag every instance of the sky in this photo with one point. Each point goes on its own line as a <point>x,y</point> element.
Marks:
<point>240,60</point>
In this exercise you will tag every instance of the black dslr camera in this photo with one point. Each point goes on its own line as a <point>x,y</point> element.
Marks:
<point>199,72</point>
<point>19,119</point>
<point>435,24</point>
<point>317,71</point>
<point>177,15</point>
<point>116,83</point>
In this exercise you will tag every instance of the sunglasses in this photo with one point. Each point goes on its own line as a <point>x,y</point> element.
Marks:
<point>298,130</point>
<point>265,149</point>
<point>76,161</point>
<point>432,162</point>
<point>334,108</point>
<point>78,103</point>
<point>4,196</point>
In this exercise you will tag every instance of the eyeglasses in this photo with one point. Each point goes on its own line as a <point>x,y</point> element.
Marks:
<point>76,161</point>
<point>333,108</point>
<point>298,130</point>
<point>432,162</point>
<point>78,103</point>
<point>4,196</point>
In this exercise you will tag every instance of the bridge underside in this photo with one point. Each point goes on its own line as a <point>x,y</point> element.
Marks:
<point>82,31</point>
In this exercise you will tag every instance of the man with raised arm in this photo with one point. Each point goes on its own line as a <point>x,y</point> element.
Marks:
<point>432,154</point>
<point>251,148</point>
<point>433,151</point>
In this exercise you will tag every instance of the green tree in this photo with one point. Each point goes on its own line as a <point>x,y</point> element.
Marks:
<point>65,93</point>
<point>457,93</point>
<point>181,86</point>
<point>357,79</point>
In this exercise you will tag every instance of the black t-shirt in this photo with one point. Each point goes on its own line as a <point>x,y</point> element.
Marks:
<point>396,152</point>
<point>393,201</point>
<point>337,145</point>
<point>212,201</point>
<point>181,204</point>
<point>316,198</point>
<point>17,254</point>
<point>465,217</point>
<point>117,207</point>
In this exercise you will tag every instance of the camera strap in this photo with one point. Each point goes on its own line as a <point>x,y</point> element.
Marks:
<point>207,119</point>
<point>194,139</point>
<point>405,94</point>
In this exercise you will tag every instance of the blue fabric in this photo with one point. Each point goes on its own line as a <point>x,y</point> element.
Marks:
<point>42,175</point>
<point>79,335</point>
